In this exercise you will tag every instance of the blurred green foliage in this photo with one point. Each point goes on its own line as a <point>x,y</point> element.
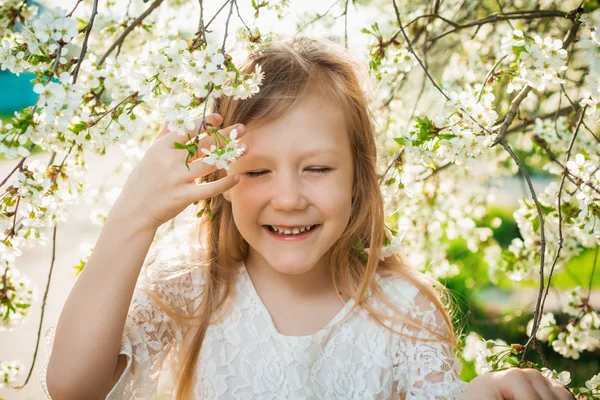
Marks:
<point>5,118</point>
<point>475,298</point>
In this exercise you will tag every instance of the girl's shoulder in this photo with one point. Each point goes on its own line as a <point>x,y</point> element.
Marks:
<point>412,301</point>
<point>178,288</point>
<point>397,288</point>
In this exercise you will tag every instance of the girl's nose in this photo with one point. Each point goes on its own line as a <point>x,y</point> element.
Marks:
<point>288,193</point>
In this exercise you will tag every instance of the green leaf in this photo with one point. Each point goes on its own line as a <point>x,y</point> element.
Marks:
<point>446,136</point>
<point>512,360</point>
<point>402,140</point>
<point>179,146</point>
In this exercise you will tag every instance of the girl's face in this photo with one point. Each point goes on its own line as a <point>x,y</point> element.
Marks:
<point>298,172</point>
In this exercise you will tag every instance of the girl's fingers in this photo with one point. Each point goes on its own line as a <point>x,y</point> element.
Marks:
<point>211,189</point>
<point>514,385</point>
<point>546,388</point>
<point>211,119</point>
<point>542,386</point>
<point>162,132</point>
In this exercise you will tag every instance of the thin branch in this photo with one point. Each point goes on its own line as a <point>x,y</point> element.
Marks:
<point>216,14</point>
<point>128,30</point>
<point>227,26</point>
<point>489,75</point>
<point>410,48</point>
<point>200,37</point>
<point>237,8</point>
<point>16,13</point>
<point>41,323</point>
<point>528,121</point>
<point>346,24</point>
<point>542,231</point>
<point>511,114</point>
<point>497,17</point>
<point>592,274</point>
<point>19,166</point>
<point>560,223</point>
<point>88,30</point>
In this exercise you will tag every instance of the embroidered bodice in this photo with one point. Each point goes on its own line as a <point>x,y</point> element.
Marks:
<point>243,356</point>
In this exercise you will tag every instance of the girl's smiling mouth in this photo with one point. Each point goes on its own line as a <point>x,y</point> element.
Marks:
<point>291,234</point>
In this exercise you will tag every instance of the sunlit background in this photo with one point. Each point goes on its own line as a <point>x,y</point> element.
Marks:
<point>16,93</point>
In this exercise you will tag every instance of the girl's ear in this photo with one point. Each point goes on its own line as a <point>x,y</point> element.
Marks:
<point>226,195</point>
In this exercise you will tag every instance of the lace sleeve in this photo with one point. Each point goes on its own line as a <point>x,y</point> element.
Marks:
<point>426,369</point>
<point>148,335</point>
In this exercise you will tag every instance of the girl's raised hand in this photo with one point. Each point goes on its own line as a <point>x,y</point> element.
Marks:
<point>161,186</point>
<point>515,384</point>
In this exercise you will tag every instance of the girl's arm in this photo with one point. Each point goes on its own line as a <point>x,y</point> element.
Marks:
<point>515,384</point>
<point>88,335</point>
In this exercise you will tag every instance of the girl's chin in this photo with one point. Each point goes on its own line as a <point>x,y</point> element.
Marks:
<point>292,267</point>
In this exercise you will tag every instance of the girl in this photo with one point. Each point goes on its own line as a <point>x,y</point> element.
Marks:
<point>274,302</point>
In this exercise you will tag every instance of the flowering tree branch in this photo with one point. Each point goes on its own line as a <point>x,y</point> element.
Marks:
<point>155,4</point>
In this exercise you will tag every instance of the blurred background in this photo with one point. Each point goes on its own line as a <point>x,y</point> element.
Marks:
<point>493,311</point>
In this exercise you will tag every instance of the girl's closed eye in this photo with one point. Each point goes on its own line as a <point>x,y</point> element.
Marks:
<point>317,170</point>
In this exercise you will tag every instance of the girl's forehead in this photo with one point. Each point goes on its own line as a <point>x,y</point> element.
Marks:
<point>313,121</point>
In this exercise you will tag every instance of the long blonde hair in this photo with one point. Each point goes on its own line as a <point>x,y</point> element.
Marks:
<point>291,68</point>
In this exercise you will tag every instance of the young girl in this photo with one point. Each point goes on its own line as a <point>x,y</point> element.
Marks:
<point>272,300</point>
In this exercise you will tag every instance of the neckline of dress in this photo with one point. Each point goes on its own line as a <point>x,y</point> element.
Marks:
<point>341,314</point>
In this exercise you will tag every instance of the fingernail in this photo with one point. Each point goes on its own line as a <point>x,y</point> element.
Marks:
<point>243,147</point>
<point>236,178</point>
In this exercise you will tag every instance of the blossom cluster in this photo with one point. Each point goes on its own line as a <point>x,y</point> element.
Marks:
<point>581,333</point>
<point>9,373</point>
<point>540,60</point>
<point>398,60</point>
<point>591,389</point>
<point>121,95</point>
<point>174,70</point>
<point>39,44</point>
<point>20,293</point>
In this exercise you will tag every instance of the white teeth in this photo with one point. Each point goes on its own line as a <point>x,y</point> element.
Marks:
<point>294,231</point>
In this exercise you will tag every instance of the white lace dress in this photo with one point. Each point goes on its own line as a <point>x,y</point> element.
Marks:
<point>244,356</point>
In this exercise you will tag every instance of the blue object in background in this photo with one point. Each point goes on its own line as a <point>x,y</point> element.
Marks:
<point>16,92</point>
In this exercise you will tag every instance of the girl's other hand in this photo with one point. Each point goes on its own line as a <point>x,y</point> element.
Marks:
<point>161,186</point>
<point>515,384</point>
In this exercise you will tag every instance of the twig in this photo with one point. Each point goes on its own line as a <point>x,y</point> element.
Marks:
<point>511,114</point>
<point>200,37</point>
<point>16,13</point>
<point>592,274</point>
<point>88,30</point>
<point>128,30</point>
<point>346,24</point>
<point>497,17</point>
<point>227,26</point>
<point>528,121</point>
<point>560,222</point>
<point>237,9</point>
<point>542,229</point>
<point>18,166</point>
<point>216,14</point>
<point>489,76</point>
<point>570,176</point>
<point>74,8</point>
<point>41,323</point>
